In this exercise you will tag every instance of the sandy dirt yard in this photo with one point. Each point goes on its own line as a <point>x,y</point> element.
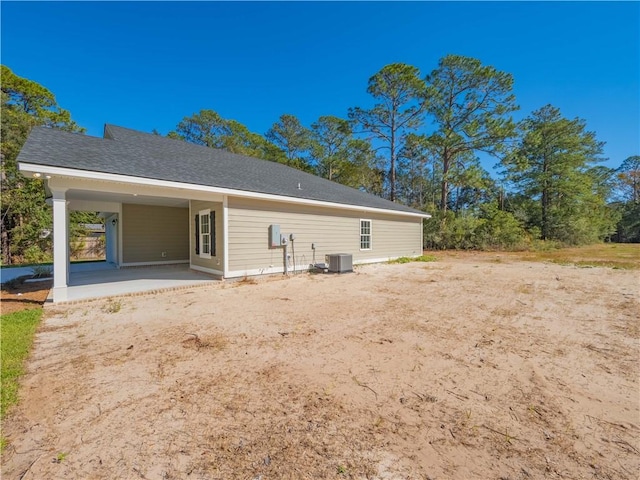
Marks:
<point>471,367</point>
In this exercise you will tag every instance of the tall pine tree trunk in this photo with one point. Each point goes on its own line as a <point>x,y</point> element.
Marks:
<point>444,190</point>
<point>392,167</point>
<point>545,213</point>
<point>545,199</point>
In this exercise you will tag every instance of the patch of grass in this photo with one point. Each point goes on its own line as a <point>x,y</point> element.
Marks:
<point>616,265</point>
<point>421,258</point>
<point>113,306</point>
<point>526,288</point>
<point>59,458</point>
<point>505,312</point>
<point>611,255</point>
<point>545,245</point>
<point>18,329</point>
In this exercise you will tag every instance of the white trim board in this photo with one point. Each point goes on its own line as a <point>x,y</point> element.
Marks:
<point>211,271</point>
<point>112,177</point>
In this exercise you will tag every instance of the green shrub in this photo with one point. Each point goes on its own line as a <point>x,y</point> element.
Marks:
<point>34,254</point>
<point>500,230</point>
<point>493,229</point>
<point>450,231</point>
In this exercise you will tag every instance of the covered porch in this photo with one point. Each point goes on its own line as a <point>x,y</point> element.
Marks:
<point>149,237</point>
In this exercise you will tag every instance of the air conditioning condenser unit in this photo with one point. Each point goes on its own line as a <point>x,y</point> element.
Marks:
<point>340,262</point>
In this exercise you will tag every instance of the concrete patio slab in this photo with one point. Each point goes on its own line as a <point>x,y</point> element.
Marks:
<point>108,282</point>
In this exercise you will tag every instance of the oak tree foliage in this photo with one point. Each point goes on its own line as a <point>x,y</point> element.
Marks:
<point>26,218</point>
<point>628,175</point>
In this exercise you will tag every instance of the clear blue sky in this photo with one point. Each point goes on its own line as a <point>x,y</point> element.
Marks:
<point>147,65</point>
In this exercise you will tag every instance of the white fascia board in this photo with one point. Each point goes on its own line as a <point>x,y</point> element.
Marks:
<point>112,177</point>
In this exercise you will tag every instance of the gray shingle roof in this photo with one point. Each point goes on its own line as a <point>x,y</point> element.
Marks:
<point>129,152</point>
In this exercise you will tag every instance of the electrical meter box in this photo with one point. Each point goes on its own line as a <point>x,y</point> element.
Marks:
<point>274,236</point>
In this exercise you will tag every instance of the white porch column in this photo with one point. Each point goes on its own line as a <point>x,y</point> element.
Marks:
<point>225,236</point>
<point>60,245</point>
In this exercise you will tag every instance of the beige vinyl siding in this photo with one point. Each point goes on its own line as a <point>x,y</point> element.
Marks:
<point>216,261</point>
<point>147,231</point>
<point>331,230</point>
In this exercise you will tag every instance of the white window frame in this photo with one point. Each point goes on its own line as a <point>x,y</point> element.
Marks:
<point>205,244</point>
<point>369,235</point>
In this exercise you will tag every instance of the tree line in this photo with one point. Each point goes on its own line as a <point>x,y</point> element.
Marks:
<point>419,142</point>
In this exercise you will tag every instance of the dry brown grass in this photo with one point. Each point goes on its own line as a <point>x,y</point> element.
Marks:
<point>245,281</point>
<point>296,434</point>
<point>612,255</point>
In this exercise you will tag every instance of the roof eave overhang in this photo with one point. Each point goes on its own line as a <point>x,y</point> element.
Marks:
<point>45,170</point>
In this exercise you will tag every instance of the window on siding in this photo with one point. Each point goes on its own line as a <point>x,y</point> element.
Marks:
<point>365,234</point>
<point>205,234</point>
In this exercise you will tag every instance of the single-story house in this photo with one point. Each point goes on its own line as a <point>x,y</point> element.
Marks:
<point>168,201</point>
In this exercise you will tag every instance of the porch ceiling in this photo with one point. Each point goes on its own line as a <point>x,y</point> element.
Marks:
<point>93,196</point>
